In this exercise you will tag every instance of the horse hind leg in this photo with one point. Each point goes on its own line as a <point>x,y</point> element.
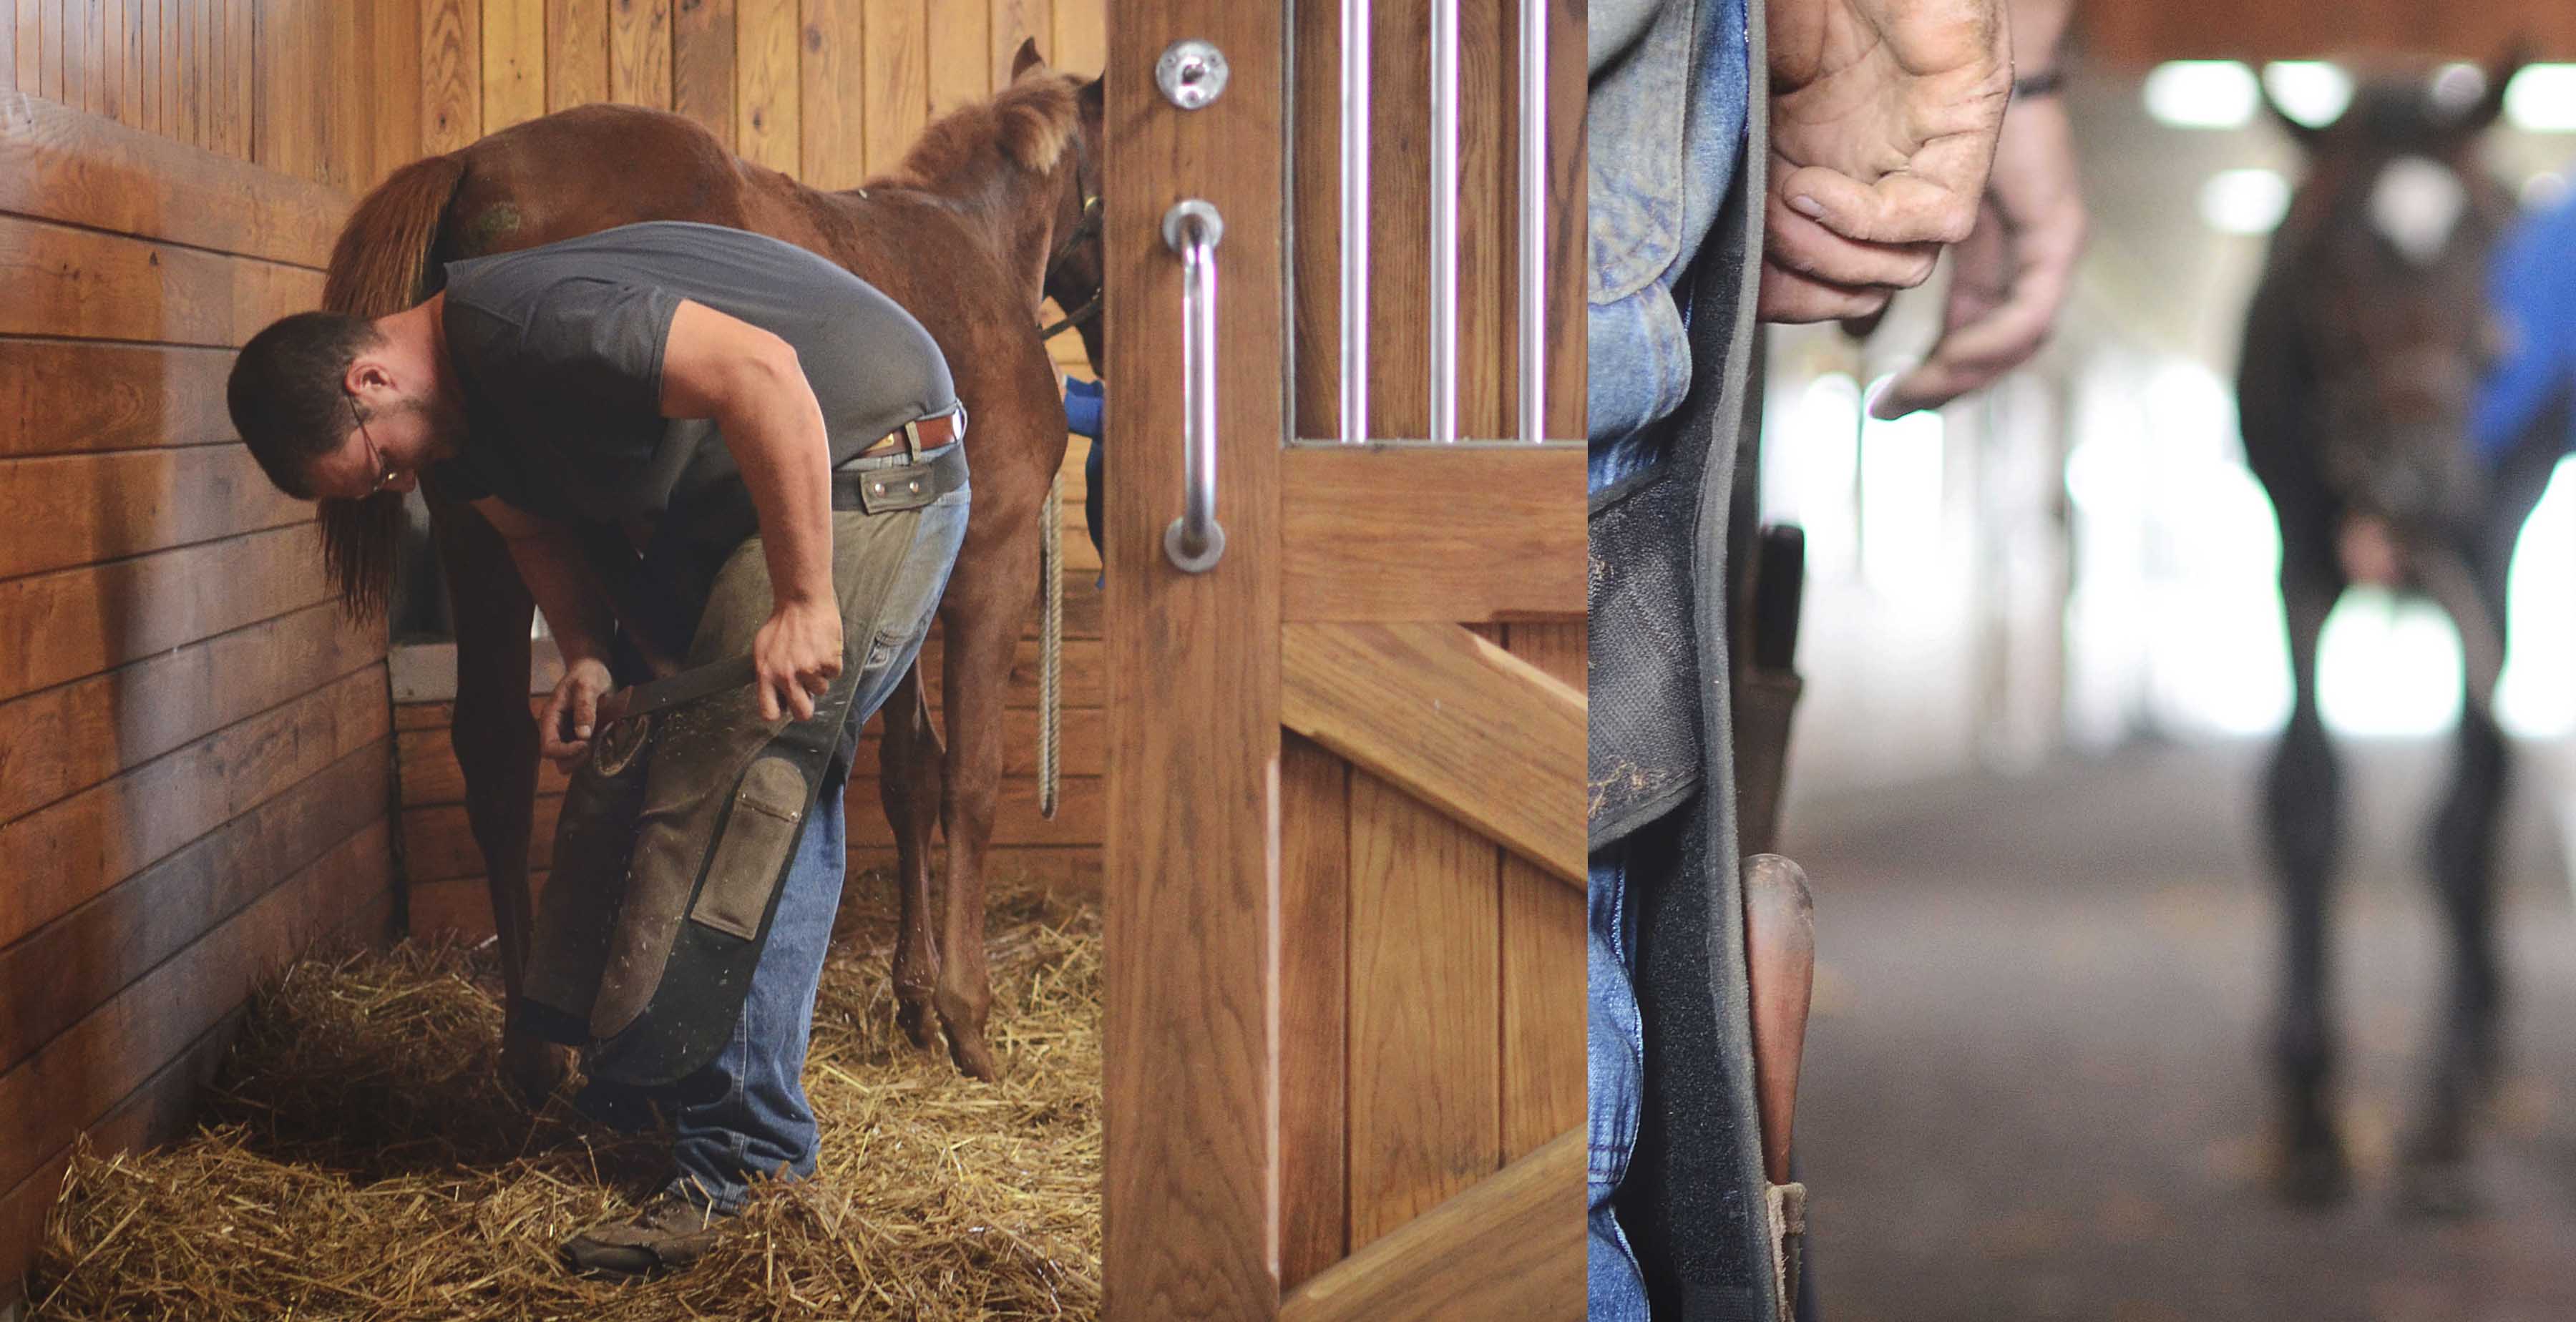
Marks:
<point>909,782</point>
<point>2304,824</point>
<point>982,631</point>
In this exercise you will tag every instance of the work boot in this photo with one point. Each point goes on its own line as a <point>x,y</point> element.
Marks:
<point>667,1234</point>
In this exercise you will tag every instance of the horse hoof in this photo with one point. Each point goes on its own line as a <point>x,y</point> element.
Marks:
<point>974,1059</point>
<point>2443,1189</point>
<point>914,1019</point>
<point>534,1067</point>
<point>2313,1172</point>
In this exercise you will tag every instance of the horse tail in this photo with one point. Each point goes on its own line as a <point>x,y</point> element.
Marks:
<point>379,266</point>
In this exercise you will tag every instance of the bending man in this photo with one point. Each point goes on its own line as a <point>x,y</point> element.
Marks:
<point>699,443</point>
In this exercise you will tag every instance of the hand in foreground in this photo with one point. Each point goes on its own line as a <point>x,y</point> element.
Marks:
<point>564,728</point>
<point>2010,279</point>
<point>1883,123</point>
<point>798,654</point>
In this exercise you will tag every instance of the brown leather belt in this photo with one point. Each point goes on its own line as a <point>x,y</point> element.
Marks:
<point>928,434</point>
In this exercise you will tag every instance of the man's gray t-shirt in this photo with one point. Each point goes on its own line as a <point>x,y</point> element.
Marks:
<point>558,353</point>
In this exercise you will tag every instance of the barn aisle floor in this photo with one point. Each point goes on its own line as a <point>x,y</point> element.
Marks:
<point>2033,1086</point>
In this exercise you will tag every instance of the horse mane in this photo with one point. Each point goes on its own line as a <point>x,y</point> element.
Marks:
<point>1030,122</point>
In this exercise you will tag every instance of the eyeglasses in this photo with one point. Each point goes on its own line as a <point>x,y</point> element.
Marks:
<point>375,458</point>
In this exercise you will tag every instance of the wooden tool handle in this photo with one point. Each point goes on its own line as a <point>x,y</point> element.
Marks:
<point>1780,964</point>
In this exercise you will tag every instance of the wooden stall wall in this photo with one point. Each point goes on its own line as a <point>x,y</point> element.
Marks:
<point>832,92</point>
<point>194,745</point>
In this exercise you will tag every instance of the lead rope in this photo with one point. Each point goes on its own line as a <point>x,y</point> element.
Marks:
<point>1051,643</point>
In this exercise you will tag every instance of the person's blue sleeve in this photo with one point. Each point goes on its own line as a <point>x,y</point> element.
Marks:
<point>2531,290</point>
<point>1082,408</point>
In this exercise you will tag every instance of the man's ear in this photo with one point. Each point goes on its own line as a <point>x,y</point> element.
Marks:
<point>363,373</point>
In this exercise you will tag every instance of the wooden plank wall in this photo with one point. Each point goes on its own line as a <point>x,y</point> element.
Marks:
<point>831,91</point>
<point>194,746</point>
<point>1439,977</point>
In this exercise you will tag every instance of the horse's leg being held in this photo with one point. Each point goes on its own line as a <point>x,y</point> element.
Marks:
<point>2303,806</point>
<point>909,780</point>
<point>982,627</point>
<point>496,748</point>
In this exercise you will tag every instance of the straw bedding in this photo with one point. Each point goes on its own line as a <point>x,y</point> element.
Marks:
<point>361,1157</point>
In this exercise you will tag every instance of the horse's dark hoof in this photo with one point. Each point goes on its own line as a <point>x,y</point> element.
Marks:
<point>2311,1169</point>
<point>2445,1189</point>
<point>534,1067</point>
<point>2313,1175</point>
<point>2433,1175</point>
<point>913,1017</point>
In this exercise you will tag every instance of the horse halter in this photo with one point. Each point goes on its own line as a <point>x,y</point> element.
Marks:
<point>1082,229</point>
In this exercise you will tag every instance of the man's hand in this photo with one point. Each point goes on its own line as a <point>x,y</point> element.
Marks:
<point>1883,123</point>
<point>2011,277</point>
<point>563,730</point>
<point>798,654</point>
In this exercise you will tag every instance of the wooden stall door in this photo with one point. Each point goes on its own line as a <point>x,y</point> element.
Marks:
<point>1343,860</point>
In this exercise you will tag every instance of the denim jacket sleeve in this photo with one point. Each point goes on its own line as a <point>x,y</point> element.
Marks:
<point>1665,123</point>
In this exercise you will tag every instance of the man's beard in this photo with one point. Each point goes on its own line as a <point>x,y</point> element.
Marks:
<point>442,422</point>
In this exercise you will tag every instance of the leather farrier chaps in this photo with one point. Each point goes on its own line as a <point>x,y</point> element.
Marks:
<point>1707,1226</point>
<point>678,828</point>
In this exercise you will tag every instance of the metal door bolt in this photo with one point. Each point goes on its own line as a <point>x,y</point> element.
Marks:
<point>1191,73</point>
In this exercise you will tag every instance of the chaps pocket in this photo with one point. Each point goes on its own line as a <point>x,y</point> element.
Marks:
<point>752,852</point>
<point>1644,718</point>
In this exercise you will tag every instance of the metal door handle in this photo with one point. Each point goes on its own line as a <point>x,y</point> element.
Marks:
<point>1192,228</point>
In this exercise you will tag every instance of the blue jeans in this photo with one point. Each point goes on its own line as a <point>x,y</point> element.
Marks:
<point>745,1116</point>
<point>1616,1060</point>
<point>1666,121</point>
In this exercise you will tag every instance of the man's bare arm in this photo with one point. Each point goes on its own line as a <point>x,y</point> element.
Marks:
<point>550,561</point>
<point>748,380</point>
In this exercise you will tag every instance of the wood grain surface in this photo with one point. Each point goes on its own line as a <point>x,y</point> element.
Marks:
<point>1452,720</point>
<point>1411,533</point>
<point>1510,1249</point>
<point>1191,1038</point>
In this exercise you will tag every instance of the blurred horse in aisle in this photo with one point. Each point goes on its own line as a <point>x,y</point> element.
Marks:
<point>2363,348</point>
